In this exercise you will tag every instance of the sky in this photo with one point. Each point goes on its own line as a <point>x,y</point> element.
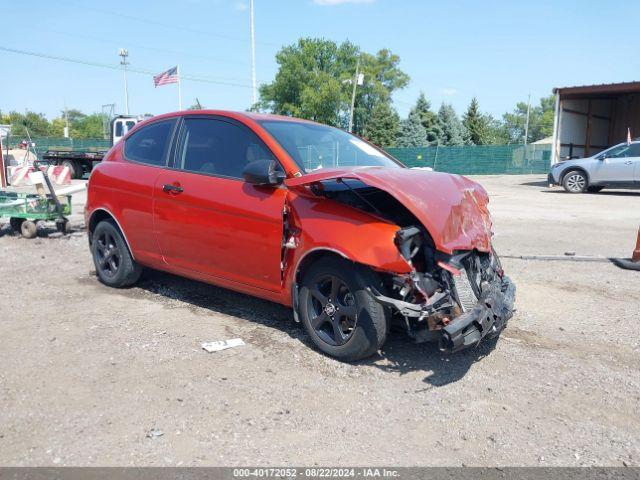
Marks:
<point>498,51</point>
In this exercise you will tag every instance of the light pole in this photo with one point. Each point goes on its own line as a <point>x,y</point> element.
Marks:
<point>253,55</point>
<point>124,54</point>
<point>358,79</point>
<point>526,125</point>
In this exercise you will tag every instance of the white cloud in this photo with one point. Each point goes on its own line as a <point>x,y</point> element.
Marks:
<point>448,92</point>
<point>339,2</point>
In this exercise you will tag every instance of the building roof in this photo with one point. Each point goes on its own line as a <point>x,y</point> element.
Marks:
<point>603,89</point>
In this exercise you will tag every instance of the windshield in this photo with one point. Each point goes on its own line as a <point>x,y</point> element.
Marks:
<point>314,147</point>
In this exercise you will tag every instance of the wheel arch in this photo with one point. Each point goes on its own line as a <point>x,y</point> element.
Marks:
<point>100,214</point>
<point>308,259</point>
<point>573,169</point>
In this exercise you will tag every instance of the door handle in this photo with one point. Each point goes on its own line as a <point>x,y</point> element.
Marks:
<point>628,162</point>
<point>168,188</point>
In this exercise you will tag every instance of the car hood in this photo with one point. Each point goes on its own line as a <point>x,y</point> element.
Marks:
<point>452,208</point>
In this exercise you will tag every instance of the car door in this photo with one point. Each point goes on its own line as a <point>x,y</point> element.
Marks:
<point>614,166</point>
<point>130,198</point>
<point>207,219</point>
<point>634,156</point>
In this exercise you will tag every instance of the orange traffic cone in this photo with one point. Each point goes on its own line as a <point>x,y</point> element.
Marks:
<point>635,256</point>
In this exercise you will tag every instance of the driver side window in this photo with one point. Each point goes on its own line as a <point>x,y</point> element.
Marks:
<point>618,152</point>
<point>220,148</point>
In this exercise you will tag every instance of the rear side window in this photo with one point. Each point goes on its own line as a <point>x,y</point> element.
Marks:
<point>634,150</point>
<point>149,144</point>
<point>216,147</point>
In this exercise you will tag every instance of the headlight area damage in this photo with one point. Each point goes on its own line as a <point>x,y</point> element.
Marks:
<point>454,299</point>
<point>456,292</point>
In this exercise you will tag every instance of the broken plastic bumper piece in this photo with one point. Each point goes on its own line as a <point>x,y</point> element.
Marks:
<point>486,319</point>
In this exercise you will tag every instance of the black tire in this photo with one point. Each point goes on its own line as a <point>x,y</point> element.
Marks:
<point>346,336</point>
<point>28,229</point>
<point>74,168</point>
<point>63,225</point>
<point>594,189</point>
<point>16,224</point>
<point>575,181</point>
<point>114,264</point>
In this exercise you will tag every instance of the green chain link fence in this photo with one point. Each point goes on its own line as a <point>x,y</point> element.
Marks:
<point>478,159</point>
<point>467,160</point>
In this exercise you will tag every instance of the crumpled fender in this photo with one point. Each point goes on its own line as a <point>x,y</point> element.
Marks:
<point>452,208</point>
<point>320,224</point>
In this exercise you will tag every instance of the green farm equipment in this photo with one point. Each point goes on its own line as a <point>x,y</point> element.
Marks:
<point>25,210</point>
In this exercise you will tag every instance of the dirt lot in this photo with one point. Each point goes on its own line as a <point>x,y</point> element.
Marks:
<point>88,372</point>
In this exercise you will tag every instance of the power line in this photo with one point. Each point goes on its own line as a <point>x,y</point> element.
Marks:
<point>145,47</point>
<point>162,24</point>
<point>192,78</point>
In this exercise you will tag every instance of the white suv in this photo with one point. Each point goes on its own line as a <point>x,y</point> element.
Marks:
<point>617,166</point>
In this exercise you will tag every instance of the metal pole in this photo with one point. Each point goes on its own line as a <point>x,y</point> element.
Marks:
<point>124,54</point>
<point>526,126</point>
<point>353,96</point>
<point>3,180</point>
<point>556,120</point>
<point>179,91</point>
<point>253,55</point>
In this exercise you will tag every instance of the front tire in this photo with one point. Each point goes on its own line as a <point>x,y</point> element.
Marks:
<point>575,181</point>
<point>114,264</point>
<point>341,317</point>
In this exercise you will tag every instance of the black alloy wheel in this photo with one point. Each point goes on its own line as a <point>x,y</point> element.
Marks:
<point>332,308</point>
<point>109,257</point>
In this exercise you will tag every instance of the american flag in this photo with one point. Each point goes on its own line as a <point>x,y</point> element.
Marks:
<point>170,76</point>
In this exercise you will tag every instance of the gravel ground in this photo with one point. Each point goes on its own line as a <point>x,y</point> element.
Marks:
<point>94,376</point>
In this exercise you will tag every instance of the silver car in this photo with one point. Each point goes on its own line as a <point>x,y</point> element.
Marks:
<point>617,166</point>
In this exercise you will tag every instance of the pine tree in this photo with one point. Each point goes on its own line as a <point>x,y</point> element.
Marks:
<point>428,119</point>
<point>477,124</point>
<point>383,126</point>
<point>412,133</point>
<point>453,132</point>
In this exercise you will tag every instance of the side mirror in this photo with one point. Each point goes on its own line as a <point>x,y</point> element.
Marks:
<point>602,157</point>
<point>263,172</point>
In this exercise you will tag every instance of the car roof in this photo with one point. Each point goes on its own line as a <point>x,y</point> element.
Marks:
<point>256,116</point>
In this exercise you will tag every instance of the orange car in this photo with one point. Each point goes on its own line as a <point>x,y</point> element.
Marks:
<point>305,215</point>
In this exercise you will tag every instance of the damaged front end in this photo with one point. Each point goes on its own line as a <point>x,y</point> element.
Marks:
<point>456,300</point>
<point>454,290</point>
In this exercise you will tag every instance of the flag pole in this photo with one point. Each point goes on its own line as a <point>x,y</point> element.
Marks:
<point>179,91</point>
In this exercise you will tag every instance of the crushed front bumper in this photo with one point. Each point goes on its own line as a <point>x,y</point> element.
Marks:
<point>486,319</point>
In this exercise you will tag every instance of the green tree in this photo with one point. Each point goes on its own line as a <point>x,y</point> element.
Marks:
<point>36,124</point>
<point>314,81</point>
<point>478,125</point>
<point>412,133</point>
<point>453,132</point>
<point>540,121</point>
<point>428,119</point>
<point>383,126</point>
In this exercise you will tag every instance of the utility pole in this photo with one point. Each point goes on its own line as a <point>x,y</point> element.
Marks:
<point>253,55</point>
<point>526,125</point>
<point>356,80</point>
<point>124,54</point>
<point>66,122</point>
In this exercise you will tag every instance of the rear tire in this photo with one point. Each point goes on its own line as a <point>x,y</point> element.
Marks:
<point>114,264</point>
<point>575,181</point>
<point>341,317</point>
